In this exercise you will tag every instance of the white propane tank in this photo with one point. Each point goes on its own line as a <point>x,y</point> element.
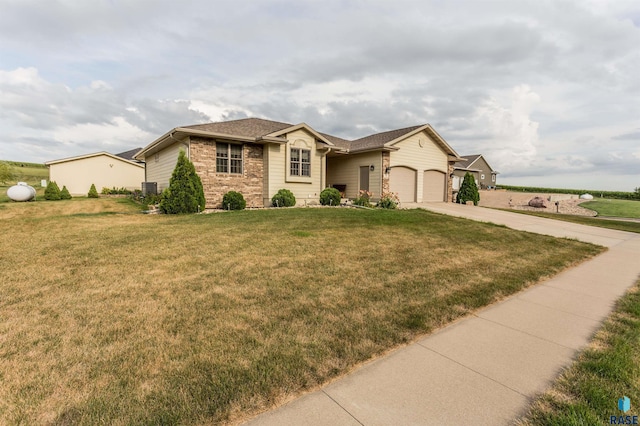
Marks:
<point>21,192</point>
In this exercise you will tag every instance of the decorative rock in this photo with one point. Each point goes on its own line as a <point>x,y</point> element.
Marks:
<point>586,197</point>
<point>538,202</point>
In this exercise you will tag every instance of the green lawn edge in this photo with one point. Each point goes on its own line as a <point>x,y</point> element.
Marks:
<point>587,392</point>
<point>618,225</point>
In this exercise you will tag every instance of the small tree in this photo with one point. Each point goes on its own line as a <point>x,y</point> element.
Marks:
<point>52,191</point>
<point>93,192</point>
<point>330,197</point>
<point>6,174</point>
<point>64,193</point>
<point>185,193</point>
<point>233,200</point>
<point>283,198</point>
<point>468,190</point>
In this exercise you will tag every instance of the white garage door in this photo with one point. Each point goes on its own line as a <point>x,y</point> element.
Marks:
<point>402,181</point>
<point>433,186</point>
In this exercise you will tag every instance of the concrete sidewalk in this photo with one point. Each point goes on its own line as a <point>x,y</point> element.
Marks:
<point>486,368</point>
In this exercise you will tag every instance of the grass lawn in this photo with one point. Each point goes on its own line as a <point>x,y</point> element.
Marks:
<point>111,316</point>
<point>586,220</point>
<point>588,391</point>
<point>614,208</point>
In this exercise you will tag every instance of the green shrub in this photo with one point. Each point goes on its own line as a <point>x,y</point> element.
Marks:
<point>330,197</point>
<point>93,192</point>
<point>185,193</point>
<point>64,193</point>
<point>233,200</point>
<point>283,198</point>
<point>52,191</point>
<point>363,199</point>
<point>105,191</point>
<point>388,200</point>
<point>468,190</point>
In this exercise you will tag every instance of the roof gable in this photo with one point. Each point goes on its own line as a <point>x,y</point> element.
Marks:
<point>95,154</point>
<point>472,161</point>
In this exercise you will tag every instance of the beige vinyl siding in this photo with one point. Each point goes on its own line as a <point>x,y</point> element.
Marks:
<point>100,170</point>
<point>160,170</point>
<point>429,156</point>
<point>345,171</point>
<point>277,169</point>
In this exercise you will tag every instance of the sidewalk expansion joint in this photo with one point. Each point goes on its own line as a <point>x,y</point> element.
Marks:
<point>475,371</point>
<point>340,405</point>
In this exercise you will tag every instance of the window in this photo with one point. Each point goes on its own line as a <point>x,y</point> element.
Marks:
<point>300,162</point>
<point>493,178</point>
<point>482,177</point>
<point>228,158</point>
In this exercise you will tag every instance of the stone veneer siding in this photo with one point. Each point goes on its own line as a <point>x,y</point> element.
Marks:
<point>386,162</point>
<point>249,183</point>
<point>450,183</point>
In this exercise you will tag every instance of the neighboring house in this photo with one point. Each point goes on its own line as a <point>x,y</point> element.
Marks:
<point>101,168</point>
<point>258,157</point>
<point>482,172</point>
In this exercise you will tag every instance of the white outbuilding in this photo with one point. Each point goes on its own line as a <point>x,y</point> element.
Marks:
<point>102,169</point>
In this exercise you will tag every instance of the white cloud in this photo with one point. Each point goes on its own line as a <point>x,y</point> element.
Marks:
<point>538,87</point>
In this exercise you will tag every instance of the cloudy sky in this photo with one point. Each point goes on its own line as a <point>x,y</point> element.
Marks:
<point>548,91</point>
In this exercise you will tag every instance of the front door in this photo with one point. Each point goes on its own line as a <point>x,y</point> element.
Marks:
<point>364,178</point>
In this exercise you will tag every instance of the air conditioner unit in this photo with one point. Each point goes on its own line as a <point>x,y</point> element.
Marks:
<point>149,188</point>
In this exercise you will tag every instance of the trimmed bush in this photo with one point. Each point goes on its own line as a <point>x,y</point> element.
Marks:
<point>64,193</point>
<point>330,197</point>
<point>283,198</point>
<point>93,192</point>
<point>388,200</point>
<point>52,191</point>
<point>468,190</point>
<point>233,200</point>
<point>185,193</point>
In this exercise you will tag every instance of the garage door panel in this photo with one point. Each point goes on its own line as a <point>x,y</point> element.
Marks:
<point>433,186</point>
<point>402,181</point>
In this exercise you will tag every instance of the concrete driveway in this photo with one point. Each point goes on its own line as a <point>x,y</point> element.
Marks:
<point>484,369</point>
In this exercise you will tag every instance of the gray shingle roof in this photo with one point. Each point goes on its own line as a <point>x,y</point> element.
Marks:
<point>379,139</point>
<point>464,164</point>
<point>249,127</point>
<point>128,155</point>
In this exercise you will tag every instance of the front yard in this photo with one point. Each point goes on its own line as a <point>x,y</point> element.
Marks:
<point>110,316</point>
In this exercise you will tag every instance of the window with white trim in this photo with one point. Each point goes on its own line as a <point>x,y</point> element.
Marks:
<point>228,158</point>
<point>300,163</point>
<point>493,178</point>
<point>482,177</point>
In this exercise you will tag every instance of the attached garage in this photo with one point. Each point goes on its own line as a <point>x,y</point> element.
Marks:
<point>402,181</point>
<point>434,185</point>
